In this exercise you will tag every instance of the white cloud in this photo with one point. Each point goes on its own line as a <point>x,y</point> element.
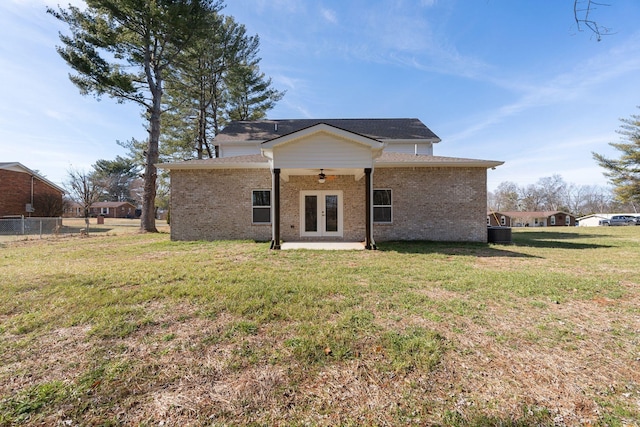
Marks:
<point>329,15</point>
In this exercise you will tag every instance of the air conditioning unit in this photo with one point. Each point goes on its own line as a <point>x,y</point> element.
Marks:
<point>29,208</point>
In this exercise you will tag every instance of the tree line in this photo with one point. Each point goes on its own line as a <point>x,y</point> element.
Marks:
<point>190,68</point>
<point>553,193</point>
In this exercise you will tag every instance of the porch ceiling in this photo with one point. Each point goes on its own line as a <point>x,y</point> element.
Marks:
<point>358,173</point>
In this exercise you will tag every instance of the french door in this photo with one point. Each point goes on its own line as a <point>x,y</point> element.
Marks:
<point>321,213</point>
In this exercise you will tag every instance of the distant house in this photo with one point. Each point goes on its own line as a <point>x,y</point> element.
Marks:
<point>497,219</point>
<point>27,193</point>
<point>73,210</point>
<point>540,219</point>
<point>113,209</point>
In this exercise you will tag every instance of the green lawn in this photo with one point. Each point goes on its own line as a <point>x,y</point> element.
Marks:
<point>134,329</point>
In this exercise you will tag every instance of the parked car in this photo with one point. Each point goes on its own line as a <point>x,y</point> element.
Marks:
<point>620,220</point>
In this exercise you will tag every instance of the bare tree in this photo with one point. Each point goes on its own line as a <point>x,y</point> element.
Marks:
<point>531,198</point>
<point>553,190</point>
<point>582,12</point>
<point>554,194</point>
<point>84,190</point>
<point>506,197</point>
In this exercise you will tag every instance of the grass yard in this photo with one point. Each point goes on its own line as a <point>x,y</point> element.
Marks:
<point>134,329</point>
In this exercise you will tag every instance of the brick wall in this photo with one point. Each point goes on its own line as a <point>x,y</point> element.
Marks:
<point>216,204</point>
<point>443,204</point>
<point>124,211</point>
<point>15,193</point>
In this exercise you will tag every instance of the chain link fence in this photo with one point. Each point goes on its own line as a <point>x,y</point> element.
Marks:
<point>29,226</point>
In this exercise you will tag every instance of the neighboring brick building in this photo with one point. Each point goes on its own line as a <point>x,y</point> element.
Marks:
<point>113,209</point>
<point>539,219</point>
<point>498,219</point>
<point>24,192</point>
<point>329,180</point>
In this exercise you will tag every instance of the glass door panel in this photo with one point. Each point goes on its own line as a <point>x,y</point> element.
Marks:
<point>310,214</point>
<point>331,213</point>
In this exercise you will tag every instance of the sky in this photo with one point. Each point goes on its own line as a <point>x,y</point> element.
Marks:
<point>508,80</point>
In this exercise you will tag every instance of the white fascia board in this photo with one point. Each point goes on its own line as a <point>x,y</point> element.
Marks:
<point>225,165</point>
<point>232,143</point>
<point>445,164</point>
<point>412,141</point>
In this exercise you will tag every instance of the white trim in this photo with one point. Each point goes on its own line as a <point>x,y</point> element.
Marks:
<point>412,141</point>
<point>270,207</point>
<point>438,164</point>
<point>373,205</point>
<point>374,144</point>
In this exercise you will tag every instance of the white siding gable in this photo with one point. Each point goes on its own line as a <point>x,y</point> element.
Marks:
<point>425,148</point>
<point>322,150</point>
<point>232,150</point>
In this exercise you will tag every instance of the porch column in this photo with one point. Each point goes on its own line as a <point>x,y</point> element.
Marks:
<point>367,183</point>
<point>275,185</point>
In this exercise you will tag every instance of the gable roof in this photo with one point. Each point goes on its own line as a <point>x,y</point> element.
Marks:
<point>327,129</point>
<point>380,129</point>
<point>19,167</point>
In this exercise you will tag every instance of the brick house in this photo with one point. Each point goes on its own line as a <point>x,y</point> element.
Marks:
<point>25,192</point>
<point>113,209</point>
<point>539,219</point>
<point>347,180</point>
<point>498,219</point>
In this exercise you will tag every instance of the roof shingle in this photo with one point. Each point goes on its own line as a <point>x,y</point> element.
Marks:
<point>381,129</point>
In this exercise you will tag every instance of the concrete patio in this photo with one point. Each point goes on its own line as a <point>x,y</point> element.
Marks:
<point>326,246</point>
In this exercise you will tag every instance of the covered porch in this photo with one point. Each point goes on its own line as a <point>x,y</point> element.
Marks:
<point>324,205</point>
<point>322,185</point>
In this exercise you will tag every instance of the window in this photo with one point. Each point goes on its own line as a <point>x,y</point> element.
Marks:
<point>104,211</point>
<point>567,220</point>
<point>261,206</point>
<point>382,206</point>
<point>503,220</point>
<point>553,220</point>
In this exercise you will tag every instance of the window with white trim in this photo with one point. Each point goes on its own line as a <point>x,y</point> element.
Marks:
<point>261,206</point>
<point>503,220</point>
<point>382,209</point>
<point>553,220</point>
<point>567,220</point>
<point>104,211</point>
